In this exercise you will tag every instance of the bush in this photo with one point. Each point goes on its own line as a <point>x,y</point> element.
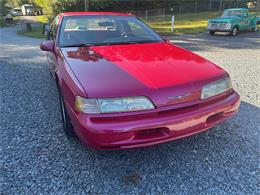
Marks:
<point>2,22</point>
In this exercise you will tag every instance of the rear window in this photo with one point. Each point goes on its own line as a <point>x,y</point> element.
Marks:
<point>99,24</point>
<point>234,13</point>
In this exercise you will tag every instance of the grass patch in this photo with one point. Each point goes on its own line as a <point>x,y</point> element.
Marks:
<point>4,24</point>
<point>35,33</point>
<point>43,19</point>
<point>186,23</point>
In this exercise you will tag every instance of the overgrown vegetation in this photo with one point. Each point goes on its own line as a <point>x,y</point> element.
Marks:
<point>35,33</point>
<point>52,7</point>
<point>4,10</point>
<point>43,19</point>
<point>186,23</point>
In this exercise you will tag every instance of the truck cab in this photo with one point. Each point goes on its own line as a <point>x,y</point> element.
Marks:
<point>27,10</point>
<point>233,21</point>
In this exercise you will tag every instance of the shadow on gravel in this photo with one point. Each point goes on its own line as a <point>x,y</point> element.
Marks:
<point>231,125</point>
<point>216,155</point>
<point>245,40</point>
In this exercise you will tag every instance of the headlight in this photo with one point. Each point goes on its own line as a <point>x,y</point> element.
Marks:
<point>112,105</point>
<point>228,25</point>
<point>216,88</point>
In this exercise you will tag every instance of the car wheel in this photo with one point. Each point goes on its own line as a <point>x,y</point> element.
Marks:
<point>234,31</point>
<point>255,29</point>
<point>211,32</point>
<point>67,126</point>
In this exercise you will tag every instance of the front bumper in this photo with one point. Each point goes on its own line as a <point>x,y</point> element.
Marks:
<point>123,131</point>
<point>219,29</point>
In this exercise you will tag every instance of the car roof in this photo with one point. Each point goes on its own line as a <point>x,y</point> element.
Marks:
<point>244,9</point>
<point>95,13</point>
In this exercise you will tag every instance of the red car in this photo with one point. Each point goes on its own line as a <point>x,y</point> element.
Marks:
<point>123,86</point>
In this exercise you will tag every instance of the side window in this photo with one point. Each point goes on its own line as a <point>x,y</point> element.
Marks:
<point>53,30</point>
<point>137,29</point>
<point>245,14</point>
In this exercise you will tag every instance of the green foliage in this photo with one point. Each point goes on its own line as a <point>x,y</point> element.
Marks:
<point>2,23</point>
<point>18,3</point>
<point>47,5</point>
<point>35,33</point>
<point>53,7</point>
<point>4,9</point>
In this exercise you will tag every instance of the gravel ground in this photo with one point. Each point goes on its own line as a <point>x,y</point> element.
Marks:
<point>37,158</point>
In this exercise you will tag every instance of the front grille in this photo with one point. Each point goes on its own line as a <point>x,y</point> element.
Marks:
<point>218,25</point>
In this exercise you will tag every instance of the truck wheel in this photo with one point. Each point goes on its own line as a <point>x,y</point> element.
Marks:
<point>211,32</point>
<point>234,31</point>
<point>255,29</point>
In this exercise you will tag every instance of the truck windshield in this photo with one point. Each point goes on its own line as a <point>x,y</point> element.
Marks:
<point>233,13</point>
<point>104,30</point>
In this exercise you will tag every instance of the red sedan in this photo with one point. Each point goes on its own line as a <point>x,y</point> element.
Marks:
<point>122,86</point>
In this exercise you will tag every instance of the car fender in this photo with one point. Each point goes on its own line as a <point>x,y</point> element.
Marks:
<point>68,83</point>
<point>255,21</point>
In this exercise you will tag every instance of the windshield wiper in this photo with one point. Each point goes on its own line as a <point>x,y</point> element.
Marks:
<point>111,43</point>
<point>120,43</point>
<point>129,42</point>
<point>80,45</point>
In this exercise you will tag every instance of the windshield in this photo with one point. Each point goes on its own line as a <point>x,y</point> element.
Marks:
<point>104,30</point>
<point>233,13</point>
<point>28,7</point>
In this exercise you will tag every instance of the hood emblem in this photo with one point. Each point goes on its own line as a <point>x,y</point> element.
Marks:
<point>178,97</point>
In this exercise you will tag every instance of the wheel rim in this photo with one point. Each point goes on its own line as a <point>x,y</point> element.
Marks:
<point>234,31</point>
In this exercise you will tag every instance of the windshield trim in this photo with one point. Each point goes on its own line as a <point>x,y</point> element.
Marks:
<point>157,37</point>
<point>112,43</point>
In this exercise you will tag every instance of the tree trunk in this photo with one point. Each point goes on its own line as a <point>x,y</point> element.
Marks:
<point>86,3</point>
<point>210,5</point>
<point>220,5</point>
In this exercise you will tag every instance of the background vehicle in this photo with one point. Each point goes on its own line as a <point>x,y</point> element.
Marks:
<point>27,10</point>
<point>8,18</point>
<point>16,12</point>
<point>233,21</point>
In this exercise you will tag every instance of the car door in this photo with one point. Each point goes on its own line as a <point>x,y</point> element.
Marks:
<point>52,35</point>
<point>245,21</point>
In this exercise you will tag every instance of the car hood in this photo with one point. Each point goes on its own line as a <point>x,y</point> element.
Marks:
<point>224,19</point>
<point>161,71</point>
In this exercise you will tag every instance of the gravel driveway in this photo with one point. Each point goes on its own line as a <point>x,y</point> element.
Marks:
<point>36,157</point>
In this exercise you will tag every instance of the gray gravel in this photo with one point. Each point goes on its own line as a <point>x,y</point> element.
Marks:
<point>37,158</point>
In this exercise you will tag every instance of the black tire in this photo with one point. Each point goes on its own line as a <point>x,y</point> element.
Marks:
<point>255,29</point>
<point>234,31</point>
<point>67,126</point>
<point>211,32</point>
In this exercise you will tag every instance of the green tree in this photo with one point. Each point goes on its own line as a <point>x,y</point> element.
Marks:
<point>47,5</point>
<point>4,9</point>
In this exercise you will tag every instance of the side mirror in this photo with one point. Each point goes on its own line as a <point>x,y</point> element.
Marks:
<point>47,45</point>
<point>166,40</point>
